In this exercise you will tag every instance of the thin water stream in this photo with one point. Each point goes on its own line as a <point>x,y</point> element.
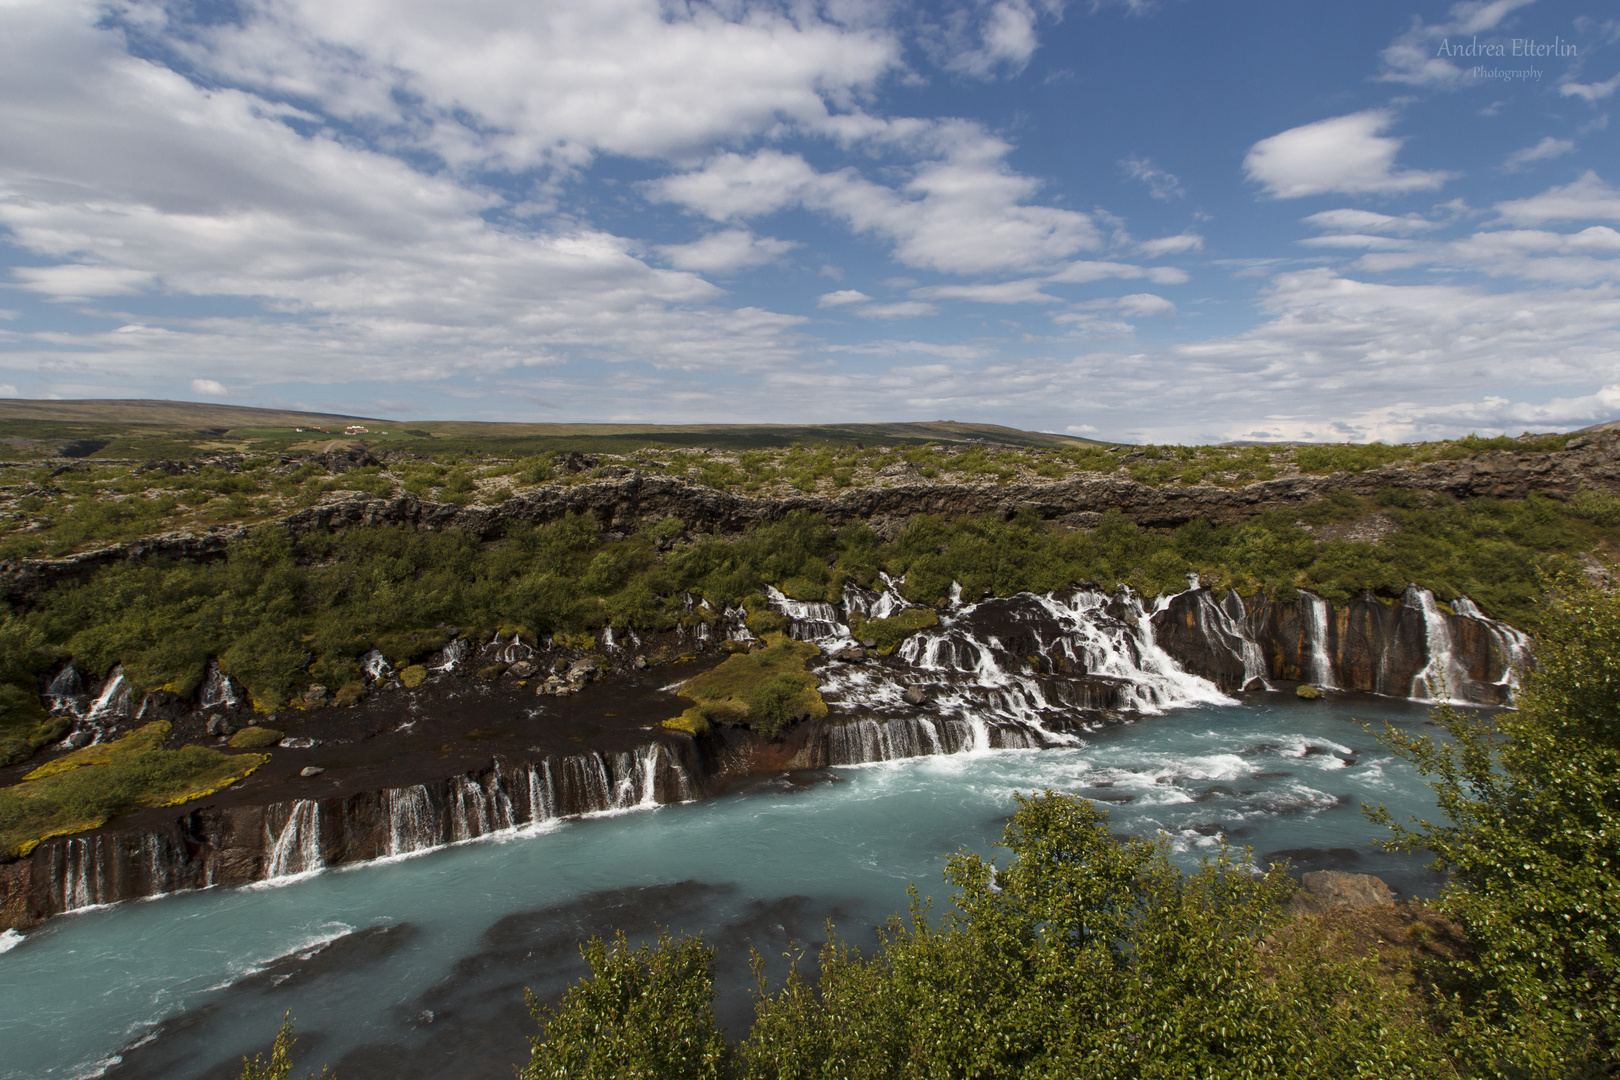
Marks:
<point>416,966</point>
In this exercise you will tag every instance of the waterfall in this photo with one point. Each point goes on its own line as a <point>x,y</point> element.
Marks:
<point>808,620</point>
<point>413,821</point>
<point>295,848</point>
<point>453,655</point>
<point>66,692</point>
<point>1513,644</point>
<point>1316,628</point>
<point>113,701</point>
<point>1441,672</point>
<point>217,689</point>
<point>79,866</point>
<point>375,667</point>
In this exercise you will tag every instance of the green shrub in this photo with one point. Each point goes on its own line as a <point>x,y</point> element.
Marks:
<point>644,1014</point>
<point>887,634</point>
<point>1531,841</point>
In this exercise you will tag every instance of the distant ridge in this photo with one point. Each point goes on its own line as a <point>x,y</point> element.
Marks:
<point>168,413</point>
<point>209,417</point>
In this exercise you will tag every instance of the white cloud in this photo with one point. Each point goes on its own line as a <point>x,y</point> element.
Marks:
<point>1368,221</point>
<point>1588,198</point>
<point>1160,184</point>
<point>1358,240</point>
<point>1415,57</point>
<point>514,86</point>
<point>1144,305</point>
<point>1171,245</point>
<point>1025,291</point>
<point>1545,150</point>
<point>1345,154</point>
<point>841,297</point>
<point>725,251</point>
<point>1597,91</point>
<point>1006,41</point>
<point>961,211</point>
<point>209,388</point>
<point>123,177</point>
<point>904,309</point>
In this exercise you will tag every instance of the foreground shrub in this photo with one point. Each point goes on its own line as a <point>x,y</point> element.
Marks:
<point>1083,957</point>
<point>644,1014</point>
<point>1532,844</point>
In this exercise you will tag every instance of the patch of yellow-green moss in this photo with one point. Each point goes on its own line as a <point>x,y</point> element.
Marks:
<point>84,789</point>
<point>413,676</point>
<point>692,721</point>
<point>256,738</point>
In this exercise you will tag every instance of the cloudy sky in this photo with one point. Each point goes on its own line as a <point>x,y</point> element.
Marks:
<point>1178,221</point>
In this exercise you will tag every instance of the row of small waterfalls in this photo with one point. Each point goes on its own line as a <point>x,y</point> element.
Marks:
<point>1027,671</point>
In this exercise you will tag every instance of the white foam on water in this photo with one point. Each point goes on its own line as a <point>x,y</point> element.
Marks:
<point>9,939</point>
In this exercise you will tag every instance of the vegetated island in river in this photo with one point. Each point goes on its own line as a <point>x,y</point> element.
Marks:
<point>237,650</point>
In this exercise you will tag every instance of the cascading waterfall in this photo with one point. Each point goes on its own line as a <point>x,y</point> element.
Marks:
<point>113,701</point>
<point>576,785</point>
<point>808,620</point>
<point>66,692</point>
<point>1513,644</point>
<point>1442,673</point>
<point>79,869</point>
<point>413,821</point>
<point>295,848</point>
<point>1316,624</point>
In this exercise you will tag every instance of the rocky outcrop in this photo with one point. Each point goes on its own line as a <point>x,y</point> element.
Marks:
<point>624,502</point>
<point>1323,890</point>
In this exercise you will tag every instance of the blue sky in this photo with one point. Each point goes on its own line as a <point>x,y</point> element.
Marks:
<point>1175,221</point>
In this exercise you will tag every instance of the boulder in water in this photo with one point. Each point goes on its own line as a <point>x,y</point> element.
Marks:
<point>915,695</point>
<point>1307,691</point>
<point>522,669</point>
<point>310,770</point>
<point>853,654</point>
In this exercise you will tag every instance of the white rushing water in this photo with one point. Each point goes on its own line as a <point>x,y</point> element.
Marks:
<point>1321,665</point>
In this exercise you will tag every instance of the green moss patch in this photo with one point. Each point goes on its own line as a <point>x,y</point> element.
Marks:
<point>768,690</point>
<point>82,790</point>
<point>413,676</point>
<point>692,721</point>
<point>889,633</point>
<point>256,738</point>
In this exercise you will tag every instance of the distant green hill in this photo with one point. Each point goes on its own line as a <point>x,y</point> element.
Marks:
<point>145,429</point>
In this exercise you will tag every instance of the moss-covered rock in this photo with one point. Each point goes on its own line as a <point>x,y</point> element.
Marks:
<point>413,676</point>
<point>256,738</point>
<point>491,672</point>
<point>1307,691</point>
<point>768,690</point>
<point>887,634</point>
<point>692,721</point>
<point>351,693</point>
<point>81,790</point>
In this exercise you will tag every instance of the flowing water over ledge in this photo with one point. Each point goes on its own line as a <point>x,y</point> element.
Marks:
<point>415,965</point>
<point>1021,672</point>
